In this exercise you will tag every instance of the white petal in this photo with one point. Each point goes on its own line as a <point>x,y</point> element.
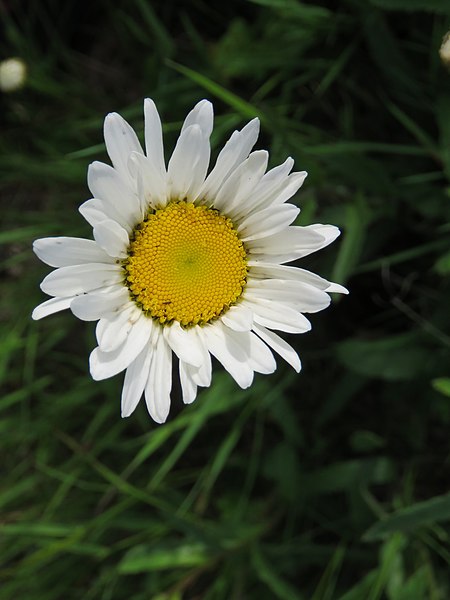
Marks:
<point>280,346</point>
<point>107,364</point>
<point>184,343</point>
<point>302,296</point>
<point>276,176</point>
<point>136,377</point>
<point>116,194</point>
<point>328,232</point>
<point>295,242</point>
<point>78,279</point>
<point>159,384</point>
<point>189,163</point>
<point>113,238</point>
<point>153,138</point>
<point>294,183</point>
<point>238,317</point>
<point>276,315</point>
<point>233,153</point>
<point>112,331</point>
<point>260,270</point>
<point>67,251</point>
<point>267,222</point>
<point>241,182</point>
<point>201,375</point>
<point>120,140</point>
<point>274,193</point>
<point>259,357</point>
<point>49,307</point>
<point>94,211</point>
<point>151,184</point>
<point>274,271</point>
<point>93,306</point>
<point>188,385</point>
<point>203,115</point>
<point>268,187</point>
<point>336,288</point>
<point>229,353</point>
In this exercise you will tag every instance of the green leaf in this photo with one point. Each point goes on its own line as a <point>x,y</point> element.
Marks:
<point>265,571</point>
<point>440,6</point>
<point>411,125</point>
<point>362,588</point>
<point>394,358</point>
<point>164,555</point>
<point>159,33</point>
<point>366,441</point>
<point>282,466</point>
<point>407,519</point>
<point>297,8</point>
<point>442,385</point>
<point>391,574</point>
<point>442,265</point>
<point>21,234</point>
<point>417,587</point>
<point>344,476</point>
<point>327,584</point>
<point>41,530</point>
<point>351,246</point>
<point>246,109</point>
<point>388,54</point>
<point>402,256</point>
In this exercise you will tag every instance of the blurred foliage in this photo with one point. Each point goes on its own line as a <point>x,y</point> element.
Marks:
<point>330,485</point>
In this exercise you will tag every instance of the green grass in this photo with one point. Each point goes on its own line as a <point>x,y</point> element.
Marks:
<point>328,485</point>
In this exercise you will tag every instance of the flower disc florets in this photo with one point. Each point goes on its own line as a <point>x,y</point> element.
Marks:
<point>185,263</point>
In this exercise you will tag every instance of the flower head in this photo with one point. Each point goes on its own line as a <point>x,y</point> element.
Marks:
<point>186,263</point>
<point>13,73</point>
<point>444,50</point>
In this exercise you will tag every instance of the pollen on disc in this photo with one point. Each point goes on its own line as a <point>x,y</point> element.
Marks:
<point>185,263</point>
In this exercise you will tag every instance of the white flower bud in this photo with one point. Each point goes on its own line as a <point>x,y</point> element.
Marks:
<point>13,72</point>
<point>444,50</point>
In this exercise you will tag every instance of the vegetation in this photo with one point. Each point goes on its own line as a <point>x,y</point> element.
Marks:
<point>328,485</point>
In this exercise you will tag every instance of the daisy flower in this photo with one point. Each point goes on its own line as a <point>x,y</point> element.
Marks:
<point>184,262</point>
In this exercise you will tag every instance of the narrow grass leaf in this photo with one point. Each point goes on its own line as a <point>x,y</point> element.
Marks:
<point>351,246</point>
<point>442,385</point>
<point>361,589</point>
<point>427,512</point>
<point>266,573</point>
<point>164,555</point>
<point>327,584</point>
<point>414,129</point>
<point>246,109</point>
<point>346,475</point>
<point>390,574</point>
<point>394,358</point>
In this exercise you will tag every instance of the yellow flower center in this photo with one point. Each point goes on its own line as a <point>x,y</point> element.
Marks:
<point>185,263</point>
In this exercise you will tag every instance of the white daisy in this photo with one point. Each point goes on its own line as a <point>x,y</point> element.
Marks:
<point>187,263</point>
